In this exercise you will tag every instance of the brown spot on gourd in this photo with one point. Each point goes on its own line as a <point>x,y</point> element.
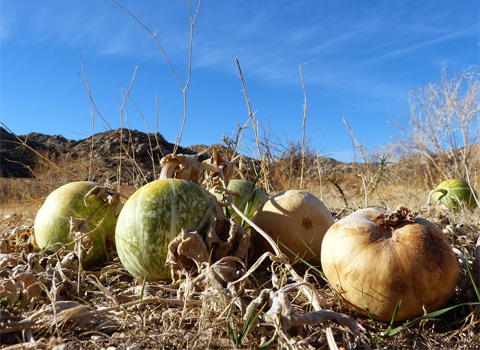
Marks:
<point>398,286</point>
<point>307,223</point>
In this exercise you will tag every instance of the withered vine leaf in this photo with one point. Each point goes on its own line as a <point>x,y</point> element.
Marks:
<point>225,238</point>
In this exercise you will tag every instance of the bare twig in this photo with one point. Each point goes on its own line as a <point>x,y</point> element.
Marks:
<point>304,107</point>
<point>255,127</point>
<point>184,87</point>
<point>121,109</point>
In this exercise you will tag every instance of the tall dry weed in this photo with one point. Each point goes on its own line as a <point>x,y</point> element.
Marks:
<point>443,126</point>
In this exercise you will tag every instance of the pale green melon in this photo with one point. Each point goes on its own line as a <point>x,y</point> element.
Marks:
<point>52,225</point>
<point>454,193</point>
<point>151,218</point>
<point>246,196</point>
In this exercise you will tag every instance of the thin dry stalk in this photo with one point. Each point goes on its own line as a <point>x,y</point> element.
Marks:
<point>365,176</point>
<point>150,145</point>
<point>121,110</point>
<point>184,87</point>
<point>255,128</point>
<point>304,107</point>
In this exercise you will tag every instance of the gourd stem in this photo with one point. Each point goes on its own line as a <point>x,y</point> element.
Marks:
<point>168,170</point>
<point>438,190</point>
<point>210,167</point>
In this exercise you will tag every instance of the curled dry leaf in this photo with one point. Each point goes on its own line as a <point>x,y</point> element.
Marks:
<point>185,251</point>
<point>224,239</point>
<point>189,167</point>
<point>212,177</point>
<point>29,285</point>
<point>280,313</point>
<point>227,238</point>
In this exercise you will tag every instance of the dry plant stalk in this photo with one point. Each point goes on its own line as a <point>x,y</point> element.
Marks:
<point>443,125</point>
<point>476,263</point>
<point>183,86</point>
<point>304,107</point>
<point>255,128</point>
<point>370,180</point>
<point>94,110</point>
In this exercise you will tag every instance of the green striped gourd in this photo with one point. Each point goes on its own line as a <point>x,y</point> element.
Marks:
<point>151,218</point>
<point>454,193</point>
<point>52,225</point>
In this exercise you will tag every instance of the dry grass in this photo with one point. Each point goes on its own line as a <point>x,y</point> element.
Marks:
<point>113,310</point>
<point>43,306</point>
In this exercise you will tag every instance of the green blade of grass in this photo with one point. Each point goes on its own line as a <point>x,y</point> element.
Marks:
<point>389,328</point>
<point>430,315</point>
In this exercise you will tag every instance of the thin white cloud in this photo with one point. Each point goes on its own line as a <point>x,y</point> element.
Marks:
<point>420,45</point>
<point>270,41</point>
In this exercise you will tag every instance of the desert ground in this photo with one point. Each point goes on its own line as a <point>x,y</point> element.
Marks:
<point>50,301</point>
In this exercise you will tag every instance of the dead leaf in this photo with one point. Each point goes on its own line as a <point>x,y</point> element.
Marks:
<point>9,290</point>
<point>225,239</point>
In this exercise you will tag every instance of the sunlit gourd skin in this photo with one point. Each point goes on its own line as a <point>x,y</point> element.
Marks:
<point>152,217</point>
<point>297,220</point>
<point>375,266</point>
<point>52,222</point>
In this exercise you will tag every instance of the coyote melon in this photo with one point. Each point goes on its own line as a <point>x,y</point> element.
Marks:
<point>52,225</point>
<point>454,193</point>
<point>152,217</point>
<point>246,197</point>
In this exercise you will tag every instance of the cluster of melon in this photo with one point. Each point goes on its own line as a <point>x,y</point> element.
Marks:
<point>374,258</point>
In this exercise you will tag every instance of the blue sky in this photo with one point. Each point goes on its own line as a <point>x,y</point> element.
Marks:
<point>362,58</point>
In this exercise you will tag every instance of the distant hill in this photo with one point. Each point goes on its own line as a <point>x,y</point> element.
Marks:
<point>25,155</point>
<point>20,158</point>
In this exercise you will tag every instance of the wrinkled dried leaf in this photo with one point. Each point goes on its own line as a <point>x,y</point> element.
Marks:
<point>212,178</point>
<point>227,238</point>
<point>224,239</point>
